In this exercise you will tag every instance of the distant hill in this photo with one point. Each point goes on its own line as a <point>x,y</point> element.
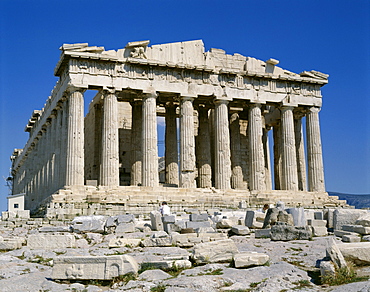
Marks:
<point>359,201</point>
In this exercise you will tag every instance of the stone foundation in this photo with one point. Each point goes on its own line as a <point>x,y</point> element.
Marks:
<point>70,202</point>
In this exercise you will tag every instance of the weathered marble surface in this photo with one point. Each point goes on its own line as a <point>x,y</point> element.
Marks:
<point>228,102</point>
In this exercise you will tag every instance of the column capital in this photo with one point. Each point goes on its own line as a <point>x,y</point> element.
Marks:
<point>71,88</point>
<point>221,101</point>
<point>313,109</point>
<point>107,90</point>
<point>254,104</point>
<point>170,104</point>
<point>54,113</point>
<point>152,94</point>
<point>299,113</point>
<point>187,97</point>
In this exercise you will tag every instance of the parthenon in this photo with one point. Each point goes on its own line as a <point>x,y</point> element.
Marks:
<point>229,108</point>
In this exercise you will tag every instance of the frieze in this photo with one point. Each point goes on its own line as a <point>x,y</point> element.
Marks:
<point>200,75</point>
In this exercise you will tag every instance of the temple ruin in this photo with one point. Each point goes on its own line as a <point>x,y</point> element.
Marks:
<point>228,108</point>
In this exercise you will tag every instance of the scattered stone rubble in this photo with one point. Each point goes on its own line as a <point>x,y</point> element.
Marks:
<point>217,250</point>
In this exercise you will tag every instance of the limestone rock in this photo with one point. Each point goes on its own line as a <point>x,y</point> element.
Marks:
<point>254,219</point>
<point>327,268</point>
<point>123,242</point>
<point>162,241</point>
<point>182,264</point>
<point>319,231</point>
<point>240,230</point>
<point>154,275</point>
<point>351,238</point>
<point>299,217</point>
<point>156,220</point>
<point>213,252</point>
<point>347,216</point>
<point>225,223</point>
<point>83,224</point>
<point>125,228</point>
<point>366,238</point>
<point>198,217</point>
<point>357,252</point>
<point>364,220</point>
<point>262,233</point>
<point>274,215</point>
<point>248,259</point>
<point>50,241</point>
<point>286,233</point>
<point>335,254</point>
<point>10,243</point>
<point>195,224</point>
<point>89,267</point>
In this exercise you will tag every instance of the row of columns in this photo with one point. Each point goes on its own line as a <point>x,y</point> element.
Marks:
<point>65,166</point>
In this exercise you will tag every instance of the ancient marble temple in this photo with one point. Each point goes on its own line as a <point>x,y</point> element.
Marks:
<point>228,108</point>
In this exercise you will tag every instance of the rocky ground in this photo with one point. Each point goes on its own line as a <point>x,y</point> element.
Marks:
<point>292,265</point>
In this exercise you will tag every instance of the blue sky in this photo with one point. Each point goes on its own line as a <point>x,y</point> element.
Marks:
<point>331,37</point>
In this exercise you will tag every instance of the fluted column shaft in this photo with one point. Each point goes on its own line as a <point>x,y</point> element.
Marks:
<point>75,139</point>
<point>316,181</point>
<point>301,160</point>
<point>236,168</point>
<point>222,146</point>
<point>266,151</point>
<point>171,153</point>
<point>289,156</point>
<point>277,156</point>
<point>204,150</point>
<point>63,144</point>
<point>150,176</point>
<point>109,170</point>
<point>136,142</point>
<point>54,174</point>
<point>257,161</point>
<point>187,143</point>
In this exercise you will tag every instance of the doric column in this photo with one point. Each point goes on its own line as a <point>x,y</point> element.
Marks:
<point>211,119</point>
<point>62,140</point>
<point>75,139</point>
<point>187,143</point>
<point>222,146</point>
<point>150,176</point>
<point>56,130</point>
<point>204,150</point>
<point>236,168</point>
<point>266,153</point>
<point>171,154</point>
<point>257,161</point>
<point>289,156</point>
<point>314,152</point>
<point>109,169</point>
<point>136,142</point>
<point>299,146</point>
<point>277,156</point>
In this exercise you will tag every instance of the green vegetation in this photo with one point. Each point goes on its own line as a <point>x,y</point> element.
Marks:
<point>21,257</point>
<point>342,276</point>
<point>159,288</point>
<point>296,249</point>
<point>302,284</point>
<point>254,284</point>
<point>124,278</point>
<point>40,260</point>
<point>294,262</point>
<point>213,273</point>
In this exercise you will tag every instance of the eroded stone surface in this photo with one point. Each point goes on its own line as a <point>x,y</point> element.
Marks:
<point>213,252</point>
<point>85,268</point>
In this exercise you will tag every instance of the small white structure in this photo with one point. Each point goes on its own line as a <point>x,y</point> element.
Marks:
<point>16,202</point>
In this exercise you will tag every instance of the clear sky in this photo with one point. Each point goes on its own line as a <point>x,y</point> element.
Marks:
<point>328,36</point>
